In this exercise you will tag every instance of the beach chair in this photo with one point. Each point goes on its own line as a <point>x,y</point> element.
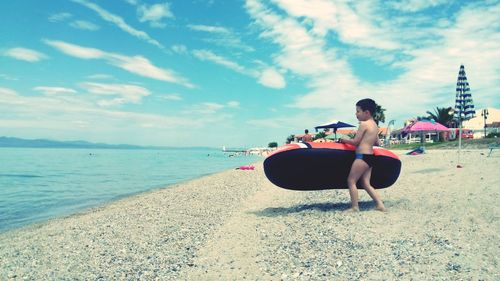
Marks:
<point>493,147</point>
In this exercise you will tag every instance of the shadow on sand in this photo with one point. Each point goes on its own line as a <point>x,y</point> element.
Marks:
<point>329,207</point>
<point>322,207</point>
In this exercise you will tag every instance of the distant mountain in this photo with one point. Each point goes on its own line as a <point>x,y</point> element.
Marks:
<point>18,142</point>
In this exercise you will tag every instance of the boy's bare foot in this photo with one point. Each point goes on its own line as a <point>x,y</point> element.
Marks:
<point>351,210</point>
<point>381,208</point>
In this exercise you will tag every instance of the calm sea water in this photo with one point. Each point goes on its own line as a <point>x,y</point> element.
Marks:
<point>37,184</point>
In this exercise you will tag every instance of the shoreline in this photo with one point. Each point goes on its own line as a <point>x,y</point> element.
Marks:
<point>120,197</point>
<point>235,224</point>
<point>166,207</point>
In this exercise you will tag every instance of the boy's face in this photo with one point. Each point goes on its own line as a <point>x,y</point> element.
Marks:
<point>362,115</point>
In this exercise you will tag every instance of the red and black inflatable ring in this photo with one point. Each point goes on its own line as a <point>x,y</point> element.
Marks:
<point>317,166</point>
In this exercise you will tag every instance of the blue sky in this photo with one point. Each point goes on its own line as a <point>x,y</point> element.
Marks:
<point>234,73</point>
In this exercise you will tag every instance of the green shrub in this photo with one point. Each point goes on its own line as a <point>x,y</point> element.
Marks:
<point>320,135</point>
<point>273,144</point>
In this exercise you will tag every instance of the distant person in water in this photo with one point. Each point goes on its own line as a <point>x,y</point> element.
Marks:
<point>366,137</point>
<point>306,137</point>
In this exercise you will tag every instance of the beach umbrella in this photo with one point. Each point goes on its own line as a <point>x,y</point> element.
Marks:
<point>334,125</point>
<point>464,107</point>
<point>423,126</point>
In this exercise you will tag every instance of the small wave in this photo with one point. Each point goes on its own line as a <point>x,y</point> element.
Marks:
<point>19,176</point>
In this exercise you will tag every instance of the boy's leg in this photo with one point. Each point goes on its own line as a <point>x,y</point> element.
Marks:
<point>358,168</point>
<point>365,180</point>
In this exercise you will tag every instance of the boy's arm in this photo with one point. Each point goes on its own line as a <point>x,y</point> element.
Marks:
<point>358,137</point>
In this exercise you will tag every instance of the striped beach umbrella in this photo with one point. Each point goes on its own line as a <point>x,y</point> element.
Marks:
<point>464,107</point>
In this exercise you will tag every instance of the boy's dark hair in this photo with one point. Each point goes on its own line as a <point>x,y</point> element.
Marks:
<point>367,104</point>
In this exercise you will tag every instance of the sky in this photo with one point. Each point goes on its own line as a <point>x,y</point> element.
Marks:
<point>233,72</point>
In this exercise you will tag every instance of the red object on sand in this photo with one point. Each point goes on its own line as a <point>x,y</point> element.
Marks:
<point>247,167</point>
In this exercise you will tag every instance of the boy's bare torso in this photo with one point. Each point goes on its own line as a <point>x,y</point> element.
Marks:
<point>369,136</point>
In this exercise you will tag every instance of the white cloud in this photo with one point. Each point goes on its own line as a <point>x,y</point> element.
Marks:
<point>78,24</point>
<point>154,14</point>
<point>211,109</point>
<point>54,90</point>
<point>25,54</point>
<point>206,108</point>
<point>119,22</point>
<point>60,17</point>
<point>300,49</point>
<point>210,56</point>
<point>100,76</point>
<point>85,25</point>
<point>416,5</point>
<point>212,106</point>
<point>8,77</point>
<point>173,97</point>
<point>272,79</point>
<point>354,24</point>
<point>75,50</point>
<point>180,49</point>
<point>269,123</point>
<point>137,64</point>
<point>142,66</point>
<point>64,119</point>
<point>123,93</point>
<point>208,28</point>
<point>132,2</point>
<point>222,37</point>
<point>305,53</point>
<point>7,92</point>
<point>288,124</point>
<point>428,55</point>
<point>233,104</point>
<point>33,116</point>
<point>269,77</point>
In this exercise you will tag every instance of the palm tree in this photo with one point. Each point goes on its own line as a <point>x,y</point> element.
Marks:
<point>441,115</point>
<point>379,114</point>
<point>320,135</point>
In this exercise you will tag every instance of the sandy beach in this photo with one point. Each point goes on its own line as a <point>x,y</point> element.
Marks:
<point>442,224</point>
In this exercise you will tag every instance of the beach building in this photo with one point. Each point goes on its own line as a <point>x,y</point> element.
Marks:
<point>399,136</point>
<point>477,124</point>
<point>473,128</point>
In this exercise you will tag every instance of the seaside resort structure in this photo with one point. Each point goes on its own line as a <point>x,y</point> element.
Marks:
<point>475,128</point>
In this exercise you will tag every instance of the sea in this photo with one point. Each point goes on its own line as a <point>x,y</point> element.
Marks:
<point>38,184</point>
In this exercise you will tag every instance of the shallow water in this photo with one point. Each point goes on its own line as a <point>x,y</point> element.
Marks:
<point>37,184</point>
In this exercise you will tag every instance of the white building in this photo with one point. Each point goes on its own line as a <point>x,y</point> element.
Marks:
<point>477,123</point>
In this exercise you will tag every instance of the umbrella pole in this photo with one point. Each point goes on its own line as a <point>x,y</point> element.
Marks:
<point>459,142</point>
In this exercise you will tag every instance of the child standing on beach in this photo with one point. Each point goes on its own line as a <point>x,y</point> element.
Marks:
<point>366,137</point>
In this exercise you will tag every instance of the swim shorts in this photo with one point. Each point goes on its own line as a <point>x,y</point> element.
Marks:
<point>368,158</point>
